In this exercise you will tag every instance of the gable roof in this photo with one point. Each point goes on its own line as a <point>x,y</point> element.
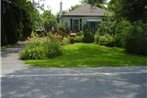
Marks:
<point>86,10</point>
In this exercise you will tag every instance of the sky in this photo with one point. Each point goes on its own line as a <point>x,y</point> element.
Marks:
<point>54,5</point>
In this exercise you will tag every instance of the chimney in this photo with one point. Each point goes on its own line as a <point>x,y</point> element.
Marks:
<point>60,8</point>
<point>60,13</point>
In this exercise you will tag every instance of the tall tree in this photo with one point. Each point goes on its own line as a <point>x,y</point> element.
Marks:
<point>98,3</point>
<point>49,20</point>
<point>130,9</point>
<point>74,7</point>
<point>17,20</point>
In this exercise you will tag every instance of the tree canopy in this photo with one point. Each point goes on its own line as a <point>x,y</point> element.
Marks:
<point>49,20</point>
<point>18,20</point>
<point>131,10</point>
<point>98,3</point>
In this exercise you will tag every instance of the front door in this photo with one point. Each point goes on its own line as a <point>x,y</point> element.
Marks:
<point>93,26</point>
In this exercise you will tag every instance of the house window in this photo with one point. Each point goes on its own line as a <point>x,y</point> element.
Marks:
<point>76,25</point>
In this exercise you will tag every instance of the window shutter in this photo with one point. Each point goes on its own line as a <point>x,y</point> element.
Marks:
<point>80,23</point>
<point>71,24</point>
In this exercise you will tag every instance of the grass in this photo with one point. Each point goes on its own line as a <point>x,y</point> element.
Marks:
<point>91,55</point>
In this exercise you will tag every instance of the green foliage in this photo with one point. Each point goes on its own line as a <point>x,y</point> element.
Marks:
<point>49,20</point>
<point>93,2</point>
<point>90,55</point>
<point>74,7</point>
<point>66,41</point>
<point>32,53</point>
<point>41,49</point>
<point>122,29</point>
<point>106,39</point>
<point>105,33</point>
<point>67,30</point>
<point>88,35</point>
<point>129,9</point>
<point>136,39</point>
<point>76,39</point>
<point>18,20</point>
<point>79,38</point>
<point>107,26</point>
<point>55,37</point>
<point>98,3</point>
<point>61,27</point>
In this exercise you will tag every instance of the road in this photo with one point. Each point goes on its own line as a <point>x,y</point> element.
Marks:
<point>21,81</point>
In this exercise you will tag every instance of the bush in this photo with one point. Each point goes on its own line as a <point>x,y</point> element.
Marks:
<point>107,39</point>
<point>96,37</point>
<point>79,33</point>
<point>33,53</point>
<point>78,38</point>
<point>107,26</point>
<point>56,37</point>
<point>136,39</point>
<point>66,41</point>
<point>52,49</point>
<point>41,49</point>
<point>88,35</point>
<point>61,27</point>
<point>122,28</point>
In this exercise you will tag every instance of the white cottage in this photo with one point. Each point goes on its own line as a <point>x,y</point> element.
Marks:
<point>85,14</point>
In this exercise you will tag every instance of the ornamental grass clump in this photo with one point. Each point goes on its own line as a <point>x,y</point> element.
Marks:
<point>41,49</point>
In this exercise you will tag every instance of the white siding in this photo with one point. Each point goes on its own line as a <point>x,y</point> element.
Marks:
<point>66,20</point>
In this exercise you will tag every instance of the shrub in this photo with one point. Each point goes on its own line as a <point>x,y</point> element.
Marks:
<point>136,39</point>
<point>88,35</point>
<point>52,49</point>
<point>107,39</point>
<point>55,37</point>
<point>34,35</point>
<point>72,41</point>
<point>78,38</point>
<point>96,37</point>
<point>66,41</point>
<point>67,30</point>
<point>32,53</point>
<point>79,33</point>
<point>41,49</point>
<point>61,27</point>
<point>107,26</point>
<point>122,28</point>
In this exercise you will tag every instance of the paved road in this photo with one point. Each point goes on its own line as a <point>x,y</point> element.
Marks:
<point>21,81</point>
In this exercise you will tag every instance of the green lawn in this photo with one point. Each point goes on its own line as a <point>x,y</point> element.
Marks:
<point>91,55</point>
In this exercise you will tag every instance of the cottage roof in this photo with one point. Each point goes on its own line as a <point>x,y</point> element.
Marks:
<point>86,10</point>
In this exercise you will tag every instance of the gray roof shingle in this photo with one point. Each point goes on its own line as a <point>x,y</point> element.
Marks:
<point>86,10</point>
